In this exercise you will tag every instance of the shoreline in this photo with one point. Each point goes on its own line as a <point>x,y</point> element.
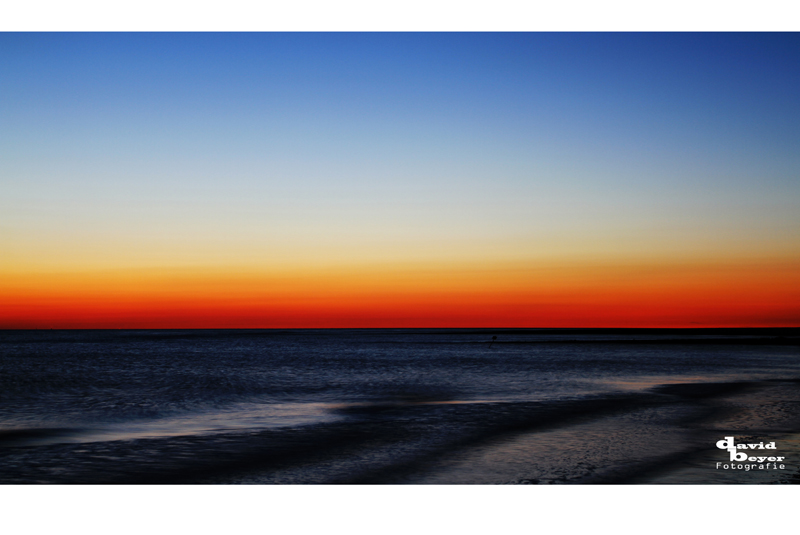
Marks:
<point>664,435</point>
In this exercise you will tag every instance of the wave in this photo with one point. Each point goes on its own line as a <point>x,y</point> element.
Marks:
<point>397,440</point>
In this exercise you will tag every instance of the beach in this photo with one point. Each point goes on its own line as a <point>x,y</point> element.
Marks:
<point>398,407</point>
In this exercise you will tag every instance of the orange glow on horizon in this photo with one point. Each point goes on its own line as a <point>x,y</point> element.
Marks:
<point>643,295</point>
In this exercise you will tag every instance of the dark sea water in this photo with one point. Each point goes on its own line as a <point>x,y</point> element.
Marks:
<point>395,406</point>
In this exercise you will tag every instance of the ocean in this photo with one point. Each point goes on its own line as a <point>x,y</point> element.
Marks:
<point>400,406</point>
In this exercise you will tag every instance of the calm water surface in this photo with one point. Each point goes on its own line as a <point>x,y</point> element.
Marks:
<point>120,390</point>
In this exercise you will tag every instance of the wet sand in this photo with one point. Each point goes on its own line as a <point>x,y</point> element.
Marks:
<point>664,435</point>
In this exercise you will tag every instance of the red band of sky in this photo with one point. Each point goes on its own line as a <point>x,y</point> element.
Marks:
<point>592,296</point>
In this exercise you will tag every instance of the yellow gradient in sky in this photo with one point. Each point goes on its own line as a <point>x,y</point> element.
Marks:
<point>365,180</point>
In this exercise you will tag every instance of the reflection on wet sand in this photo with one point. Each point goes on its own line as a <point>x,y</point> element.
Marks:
<point>386,408</point>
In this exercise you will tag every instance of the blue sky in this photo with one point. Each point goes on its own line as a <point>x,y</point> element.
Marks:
<point>424,143</point>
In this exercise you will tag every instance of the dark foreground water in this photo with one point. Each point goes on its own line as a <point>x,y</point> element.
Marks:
<point>398,406</point>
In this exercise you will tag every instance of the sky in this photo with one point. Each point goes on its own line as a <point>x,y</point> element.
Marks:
<point>276,180</point>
